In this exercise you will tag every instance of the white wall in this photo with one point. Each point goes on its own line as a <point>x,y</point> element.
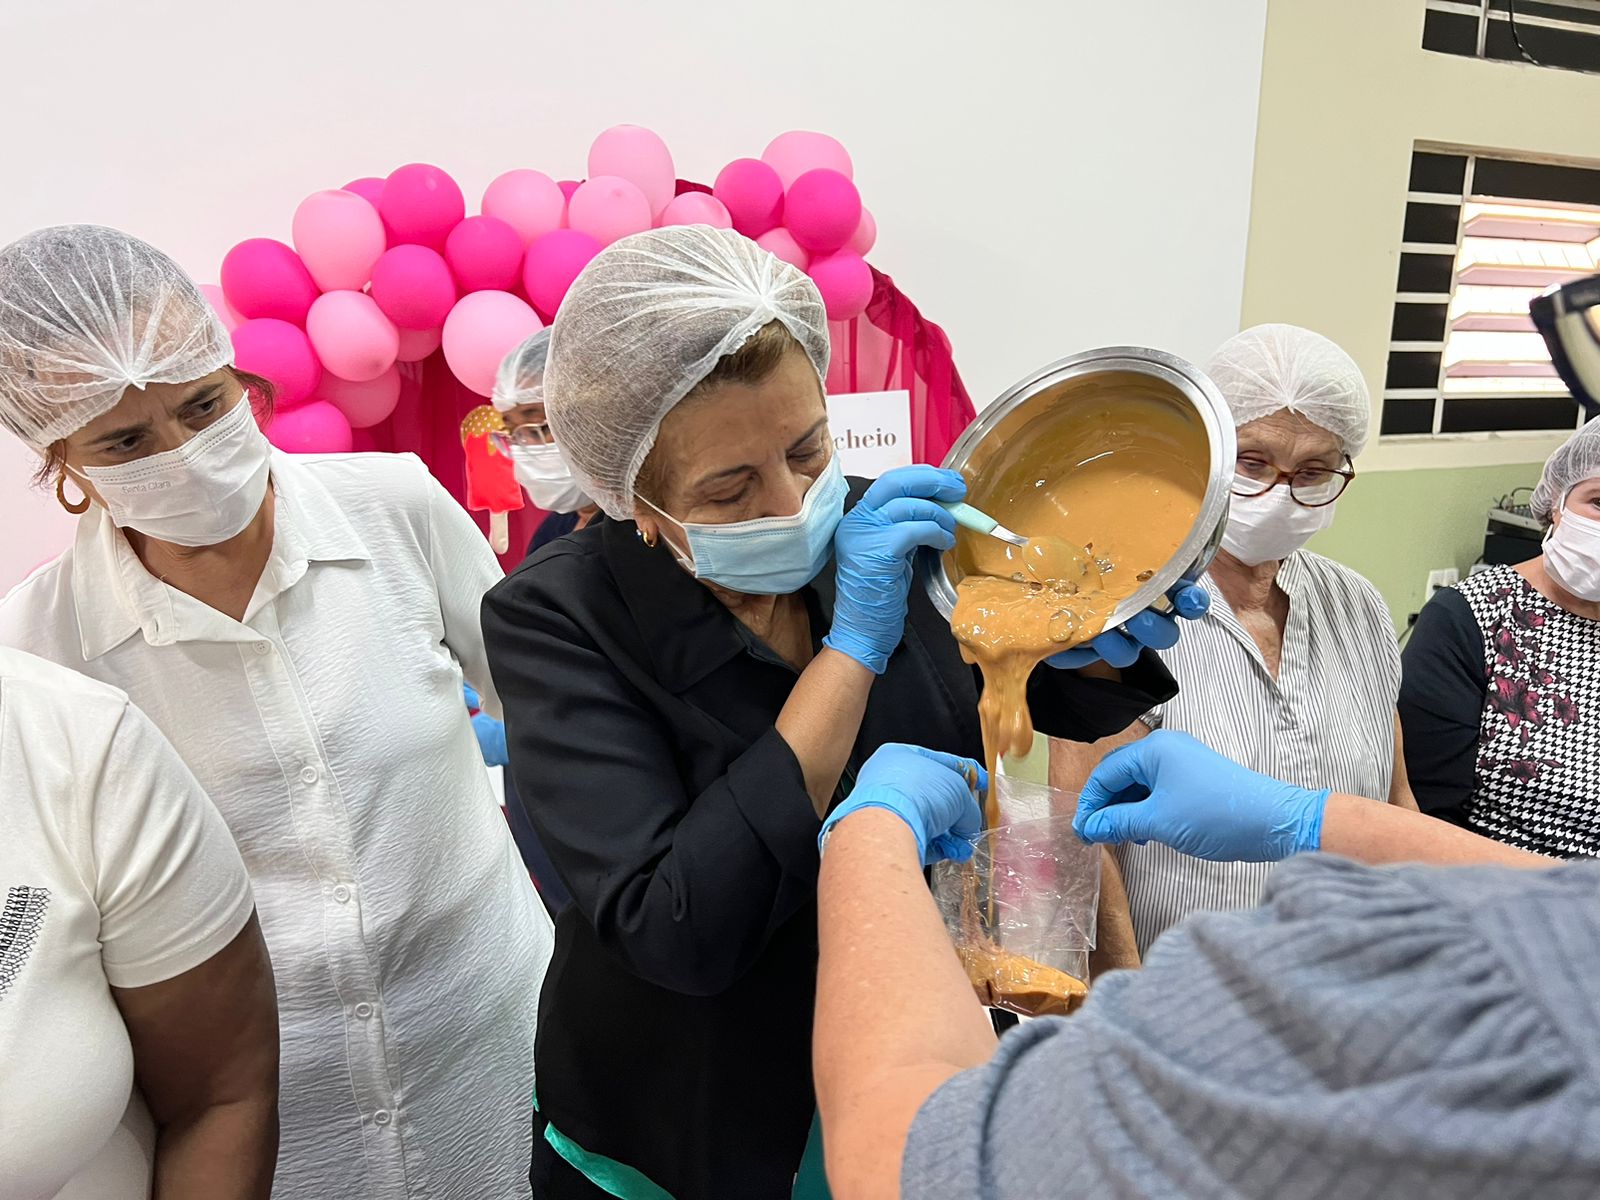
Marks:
<point>1047,175</point>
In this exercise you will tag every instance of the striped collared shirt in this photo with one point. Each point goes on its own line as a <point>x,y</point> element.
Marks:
<point>1327,720</point>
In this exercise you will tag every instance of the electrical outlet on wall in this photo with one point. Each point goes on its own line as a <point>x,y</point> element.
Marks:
<point>1442,578</point>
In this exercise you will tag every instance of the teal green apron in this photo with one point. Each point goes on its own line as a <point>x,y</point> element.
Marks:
<point>617,1179</point>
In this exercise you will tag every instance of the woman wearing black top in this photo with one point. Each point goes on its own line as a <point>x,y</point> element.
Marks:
<point>1500,693</point>
<point>690,685</point>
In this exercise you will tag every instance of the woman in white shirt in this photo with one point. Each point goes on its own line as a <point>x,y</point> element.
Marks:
<point>299,628</point>
<point>138,1030</point>
<point>1294,671</point>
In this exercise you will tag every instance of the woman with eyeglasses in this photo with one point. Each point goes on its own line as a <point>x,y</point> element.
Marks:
<point>1295,671</point>
<point>540,469</point>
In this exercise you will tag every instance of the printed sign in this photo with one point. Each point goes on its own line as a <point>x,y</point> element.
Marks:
<point>871,431</point>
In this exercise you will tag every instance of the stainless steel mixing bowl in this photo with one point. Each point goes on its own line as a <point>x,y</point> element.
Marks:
<point>1132,369</point>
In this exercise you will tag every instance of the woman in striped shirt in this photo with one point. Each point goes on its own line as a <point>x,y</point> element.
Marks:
<point>1295,671</point>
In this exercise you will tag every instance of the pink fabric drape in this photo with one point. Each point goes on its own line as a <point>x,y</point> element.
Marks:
<point>890,347</point>
<point>893,347</point>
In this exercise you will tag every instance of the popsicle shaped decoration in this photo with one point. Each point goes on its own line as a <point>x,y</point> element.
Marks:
<point>491,482</point>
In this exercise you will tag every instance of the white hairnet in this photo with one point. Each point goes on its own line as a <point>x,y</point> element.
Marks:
<point>520,379</point>
<point>647,320</point>
<point>1577,459</point>
<point>1271,367</point>
<point>86,312</point>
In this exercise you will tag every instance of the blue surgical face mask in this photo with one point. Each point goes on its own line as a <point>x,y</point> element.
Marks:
<point>770,556</point>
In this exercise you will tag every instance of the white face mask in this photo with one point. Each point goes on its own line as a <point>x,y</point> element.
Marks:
<point>1271,527</point>
<point>204,492</point>
<point>1572,555</point>
<point>543,474</point>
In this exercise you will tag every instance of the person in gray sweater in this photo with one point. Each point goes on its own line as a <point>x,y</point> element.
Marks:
<point>1371,1029</point>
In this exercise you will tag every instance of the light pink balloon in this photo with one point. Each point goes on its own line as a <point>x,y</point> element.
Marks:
<point>417,344</point>
<point>608,208</point>
<point>753,195</point>
<point>369,189</point>
<point>553,262</point>
<point>421,204</point>
<point>794,153</point>
<point>866,235</point>
<point>636,154</point>
<point>845,282</point>
<point>781,244</point>
<point>568,186</point>
<point>363,404</point>
<point>351,336</point>
<point>314,428</point>
<point>482,329</point>
<point>219,305</point>
<point>529,201</point>
<point>485,254</point>
<point>264,278</point>
<point>280,352</point>
<point>338,235</point>
<point>413,286</point>
<point>822,209</point>
<point>696,208</point>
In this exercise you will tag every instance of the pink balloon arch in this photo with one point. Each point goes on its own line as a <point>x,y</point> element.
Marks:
<point>385,321</point>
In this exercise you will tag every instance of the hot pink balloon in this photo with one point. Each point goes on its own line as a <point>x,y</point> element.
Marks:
<point>866,235</point>
<point>553,262</point>
<point>822,210</point>
<point>696,208</point>
<point>794,153</point>
<point>753,195</point>
<point>264,278</point>
<point>351,336</point>
<point>781,244</point>
<point>608,208</point>
<point>484,254</point>
<point>421,205</point>
<point>219,305</point>
<point>339,236</point>
<point>845,282</point>
<point>636,154</point>
<point>314,428</point>
<point>529,201</point>
<point>417,344</point>
<point>363,404</point>
<point>413,286</point>
<point>481,330</point>
<point>369,189</point>
<point>282,353</point>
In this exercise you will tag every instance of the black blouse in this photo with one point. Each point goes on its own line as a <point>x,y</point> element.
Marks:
<point>675,1021</point>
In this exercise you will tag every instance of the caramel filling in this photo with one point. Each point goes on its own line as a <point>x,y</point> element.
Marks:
<point>1106,490</point>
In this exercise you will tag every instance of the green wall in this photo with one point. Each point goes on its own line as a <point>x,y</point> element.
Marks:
<point>1396,526</point>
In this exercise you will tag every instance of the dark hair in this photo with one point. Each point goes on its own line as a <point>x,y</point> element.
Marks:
<point>750,364</point>
<point>263,395</point>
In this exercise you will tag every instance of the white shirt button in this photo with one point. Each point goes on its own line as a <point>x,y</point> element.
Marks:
<point>363,1010</point>
<point>381,1117</point>
<point>341,893</point>
<point>308,774</point>
<point>263,647</point>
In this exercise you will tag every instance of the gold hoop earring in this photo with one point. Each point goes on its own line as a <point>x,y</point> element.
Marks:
<point>78,509</point>
<point>649,539</point>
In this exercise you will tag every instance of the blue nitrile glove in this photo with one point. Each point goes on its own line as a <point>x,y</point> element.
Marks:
<point>1169,788</point>
<point>872,549</point>
<point>1121,647</point>
<point>491,733</point>
<point>927,790</point>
